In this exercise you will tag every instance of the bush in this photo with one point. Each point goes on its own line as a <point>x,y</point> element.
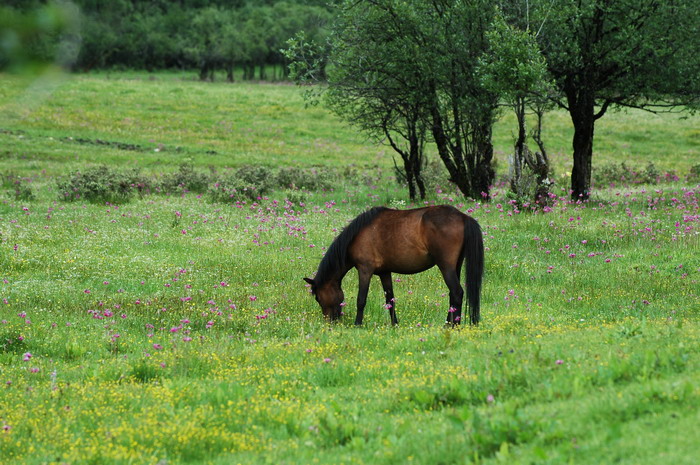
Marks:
<point>694,174</point>
<point>186,179</point>
<point>18,187</point>
<point>612,174</point>
<point>246,183</point>
<point>102,184</point>
<point>312,179</point>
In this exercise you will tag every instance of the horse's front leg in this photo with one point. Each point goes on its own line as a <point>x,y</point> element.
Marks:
<point>363,289</point>
<point>389,296</point>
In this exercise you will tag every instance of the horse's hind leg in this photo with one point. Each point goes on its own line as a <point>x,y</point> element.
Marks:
<point>389,296</point>
<point>451,277</point>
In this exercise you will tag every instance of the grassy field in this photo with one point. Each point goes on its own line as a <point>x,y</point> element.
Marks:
<point>53,123</point>
<point>173,329</point>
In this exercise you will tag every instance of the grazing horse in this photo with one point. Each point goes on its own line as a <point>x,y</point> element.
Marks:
<point>381,241</point>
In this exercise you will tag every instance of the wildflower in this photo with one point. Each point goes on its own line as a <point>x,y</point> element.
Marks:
<point>27,356</point>
<point>490,399</point>
<point>559,362</point>
<point>326,360</point>
<point>157,346</point>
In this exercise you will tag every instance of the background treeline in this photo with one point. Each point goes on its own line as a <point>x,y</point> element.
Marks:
<point>207,35</point>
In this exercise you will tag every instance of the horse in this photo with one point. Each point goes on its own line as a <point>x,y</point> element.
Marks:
<point>382,241</point>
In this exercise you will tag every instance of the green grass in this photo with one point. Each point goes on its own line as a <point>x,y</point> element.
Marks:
<point>171,329</point>
<point>221,125</point>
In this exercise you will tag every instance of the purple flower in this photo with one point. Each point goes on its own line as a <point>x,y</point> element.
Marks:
<point>27,356</point>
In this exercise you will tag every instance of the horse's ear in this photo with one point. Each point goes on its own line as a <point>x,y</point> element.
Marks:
<point>310,281</point>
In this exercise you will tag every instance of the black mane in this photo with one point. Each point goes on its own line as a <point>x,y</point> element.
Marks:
<point>336,255</point>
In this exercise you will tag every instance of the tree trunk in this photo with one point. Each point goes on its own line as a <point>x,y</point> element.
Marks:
<point>483,175</point>
<point>421,186</point>
<point>519,157</point>
<point>410,179</point>
<point>204,71</point>
<point>541,161</point>
<point>445,151</point>
<point>582,111</point>
<point>583,159</point>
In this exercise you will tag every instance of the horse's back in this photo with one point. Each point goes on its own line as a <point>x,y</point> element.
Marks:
<point>409,241</point>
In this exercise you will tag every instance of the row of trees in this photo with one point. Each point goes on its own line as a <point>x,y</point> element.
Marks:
<point>408,72</point>
<point>207,35</point>
<point>413,71</point>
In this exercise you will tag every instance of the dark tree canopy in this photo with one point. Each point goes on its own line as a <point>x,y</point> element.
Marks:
<point>617,53</point>
<point>406,70</point>
<point>206,35</point>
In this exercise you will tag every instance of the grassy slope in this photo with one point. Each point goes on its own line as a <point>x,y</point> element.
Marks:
<point>227,125</point>
<point>192,339</point>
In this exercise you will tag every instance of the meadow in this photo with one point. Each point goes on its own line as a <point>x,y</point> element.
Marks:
<point>175,328</point>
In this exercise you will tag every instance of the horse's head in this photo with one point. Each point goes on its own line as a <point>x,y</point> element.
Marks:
<point>329,296</point>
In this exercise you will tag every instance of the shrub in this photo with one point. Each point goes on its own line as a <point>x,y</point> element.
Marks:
<point>185,179</point>
<point>694,174</point>
<point>102,184</point>
<point>312,179</point>
<point>18,187</point>
<point>246,183</point>
<point>621,173</point>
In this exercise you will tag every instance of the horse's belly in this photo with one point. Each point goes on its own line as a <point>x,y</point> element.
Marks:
<point>407,265</point>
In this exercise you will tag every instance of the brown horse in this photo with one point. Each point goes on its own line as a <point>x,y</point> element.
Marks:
<point>381,241</point>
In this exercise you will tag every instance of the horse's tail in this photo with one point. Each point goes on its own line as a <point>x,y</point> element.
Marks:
<point>473,250</point>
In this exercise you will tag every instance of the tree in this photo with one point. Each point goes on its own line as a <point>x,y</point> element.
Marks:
<point>204,43</point>
<point>33,35</point>
<point>516,70</point>
<point>405,69</point>
<point>604,54</point>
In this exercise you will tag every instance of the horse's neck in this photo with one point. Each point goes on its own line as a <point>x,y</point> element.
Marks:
<point>337,274</point>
